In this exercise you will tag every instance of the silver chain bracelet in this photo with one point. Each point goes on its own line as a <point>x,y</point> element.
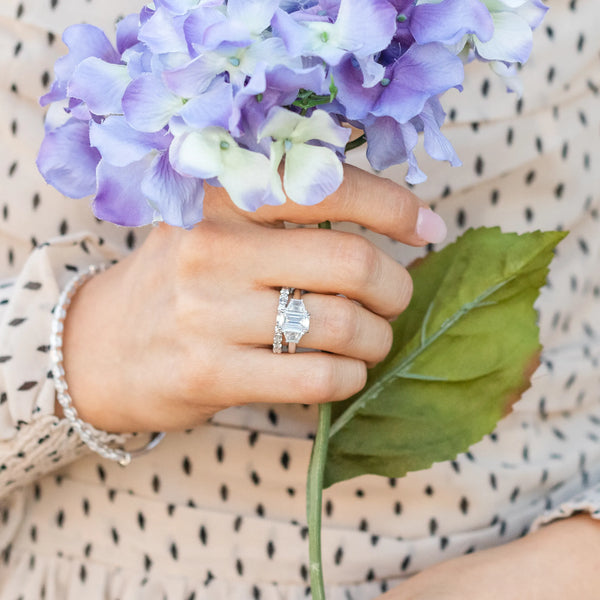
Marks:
<point>96,440</point>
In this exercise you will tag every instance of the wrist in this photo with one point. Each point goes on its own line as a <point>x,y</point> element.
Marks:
<point>91,354</point>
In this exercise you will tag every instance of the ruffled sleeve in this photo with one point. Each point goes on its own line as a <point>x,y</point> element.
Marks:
<point>587,502</point>
<point>33,440</point>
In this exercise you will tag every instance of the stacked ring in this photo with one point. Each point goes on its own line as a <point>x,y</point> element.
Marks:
<point>292,321</point>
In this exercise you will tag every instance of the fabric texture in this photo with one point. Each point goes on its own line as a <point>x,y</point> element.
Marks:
<point>218,512</point>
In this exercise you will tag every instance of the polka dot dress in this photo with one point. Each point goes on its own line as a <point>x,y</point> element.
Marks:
<point>218,512</point>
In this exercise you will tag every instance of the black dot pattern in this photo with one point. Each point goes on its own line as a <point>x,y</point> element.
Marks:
<point>219,511</point>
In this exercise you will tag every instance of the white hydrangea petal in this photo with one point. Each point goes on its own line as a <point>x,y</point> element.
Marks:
<point>500,5</point>
<point>511,42</point>
<point>509,75</point>
<point>256,15</point>
<point>248,179</point>
<point>280,123</point>
<point>311,173</point>
<point>199,153</point>
<point>320,126</point>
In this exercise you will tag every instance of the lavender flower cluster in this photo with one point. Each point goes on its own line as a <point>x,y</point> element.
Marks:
<point>221,91</point>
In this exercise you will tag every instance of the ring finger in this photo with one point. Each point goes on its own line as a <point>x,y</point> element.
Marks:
<point>337,325</point>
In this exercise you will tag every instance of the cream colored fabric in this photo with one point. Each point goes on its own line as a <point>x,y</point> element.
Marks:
<point>218,512</point>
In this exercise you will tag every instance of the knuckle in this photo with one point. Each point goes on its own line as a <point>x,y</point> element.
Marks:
<point>198,249</point>
<point>195,374</point>
<point>320,385</point>
<point>386,340</point>
<point>403,209</point>
<point>185,309</point>
<point>356,259</point>
<point>361,376</point>
<point>402,293</point>
<point>341,323</point>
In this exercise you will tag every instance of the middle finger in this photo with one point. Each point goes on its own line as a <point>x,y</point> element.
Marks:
<point>332,262</point>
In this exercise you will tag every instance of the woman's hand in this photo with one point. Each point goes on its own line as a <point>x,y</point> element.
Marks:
<point>559,562</point>
<point>184,326</point>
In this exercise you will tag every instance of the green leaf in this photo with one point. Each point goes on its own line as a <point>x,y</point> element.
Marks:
<point>463,353</point>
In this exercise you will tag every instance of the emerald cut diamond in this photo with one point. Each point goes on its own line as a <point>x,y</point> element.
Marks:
<point>295,322</point>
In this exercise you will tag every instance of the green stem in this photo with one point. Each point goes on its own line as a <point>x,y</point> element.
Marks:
<point>359,141</point>
<point>314,493</point>
<point>314,501</point>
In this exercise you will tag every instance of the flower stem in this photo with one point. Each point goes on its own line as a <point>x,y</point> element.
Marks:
<point>359,141</point>
<point>314,493</point>
<point>314,501</point>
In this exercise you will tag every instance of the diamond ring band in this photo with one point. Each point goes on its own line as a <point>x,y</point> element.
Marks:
<point>292,322</point>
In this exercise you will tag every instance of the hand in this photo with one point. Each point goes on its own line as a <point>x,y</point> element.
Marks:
<point>558,562</point>
<point>183,327</point>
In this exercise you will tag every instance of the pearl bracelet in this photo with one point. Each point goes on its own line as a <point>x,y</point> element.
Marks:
<point>96,440</point>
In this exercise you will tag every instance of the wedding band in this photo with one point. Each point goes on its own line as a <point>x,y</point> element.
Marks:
<point>293,320</point>
<point>284,295</point>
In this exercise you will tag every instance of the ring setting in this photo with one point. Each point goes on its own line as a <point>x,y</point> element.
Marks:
<point>292,322</point>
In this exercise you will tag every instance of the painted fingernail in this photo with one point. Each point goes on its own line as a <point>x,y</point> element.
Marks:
<point>430,226</point>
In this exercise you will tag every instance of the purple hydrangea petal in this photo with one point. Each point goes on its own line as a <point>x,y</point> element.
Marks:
<point>256,14</point>
<point>436,144</point>
<point>163,33</point>
<point>272,52</point>
<point>293,34</point>
<point>119,198</point>
<point>449,21</point>
<point>247,96</point>
<point>146,14</point>
<point>212,108</point>
<point>365,27</point>
<point>120,145</point>
<point>251,16</point>
<point>372,71</point>
<point>197,24</point>
<point>512,40</point>
<point>148,104</point>
<point>415,175</point>
<point>357,100</point>
<point>67,161</point>
<point>195,77</point>
<point>58,91</point>
<point>176,198</point>
<point>83,41</point>
<point>389,142</point>
<point>246,20</point>
<point>287,79</point>
<point>78,110</point>
<point>181,7</point>
<point>57,115</point>
<point>230,32</point>
<point>127,32</point>
<point>100,85</point>
<point>138,59</point>
<point>419,74</point>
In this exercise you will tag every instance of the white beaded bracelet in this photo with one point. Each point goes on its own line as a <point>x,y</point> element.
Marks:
<point>96,440</point>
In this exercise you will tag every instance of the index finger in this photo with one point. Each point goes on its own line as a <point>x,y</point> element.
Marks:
<point>376,203</point>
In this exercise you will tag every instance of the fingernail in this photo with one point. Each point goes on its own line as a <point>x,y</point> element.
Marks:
<point>430,226</point>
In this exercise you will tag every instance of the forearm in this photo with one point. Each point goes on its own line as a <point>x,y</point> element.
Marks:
<point>560,561</point>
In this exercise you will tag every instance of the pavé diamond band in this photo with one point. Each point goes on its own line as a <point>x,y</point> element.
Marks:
<point>293,320</point>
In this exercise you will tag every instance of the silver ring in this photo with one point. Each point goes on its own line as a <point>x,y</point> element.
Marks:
<point>284,296</point>
<point>293,320</point>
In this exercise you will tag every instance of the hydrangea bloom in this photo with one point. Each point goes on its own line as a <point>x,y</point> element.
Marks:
<point>224,92</point>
